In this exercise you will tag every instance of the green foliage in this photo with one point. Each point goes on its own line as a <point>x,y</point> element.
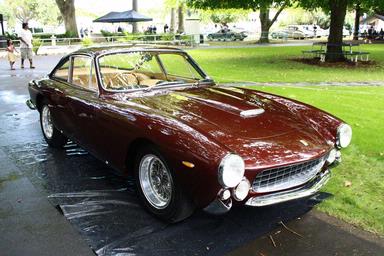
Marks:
<point>327,5</point>
<point>12,36</point>
<point>109,34</point>
<point>239,4</point>
<point>86,42</point>
<point>223,18</point>
<point>36,44</point>
<point>49,35</point>
<point>167,37</point>
<point>132,37</point>
<point>69,34</point>
<point>17,11</point>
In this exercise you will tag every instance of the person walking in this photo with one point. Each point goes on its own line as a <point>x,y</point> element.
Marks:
<point>11,53</point>
<point>26,45</point>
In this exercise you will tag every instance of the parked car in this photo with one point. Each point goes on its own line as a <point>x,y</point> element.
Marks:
<point>288,33</point>
<point>302,31</point>
<point>226,34</point>
<point>281,34</point>
<point>313,30</point>
<point>153,113</point>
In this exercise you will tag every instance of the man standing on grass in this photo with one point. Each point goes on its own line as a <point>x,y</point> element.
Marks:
<point>26,45</point>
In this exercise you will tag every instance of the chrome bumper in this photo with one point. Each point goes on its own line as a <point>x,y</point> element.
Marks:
<point>30,104</point>
<point>310,189</point>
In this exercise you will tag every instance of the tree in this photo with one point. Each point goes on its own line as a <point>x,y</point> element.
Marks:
<point>264,6</point>
<point>134,24</point>
<point>338,10</point>
<point>67,10</point>
<point>173,20</point>
<point>357,22</point>
<point>180,18</point>
<point>179,5</point>
<point>223,18</point>
<point>44,11</point>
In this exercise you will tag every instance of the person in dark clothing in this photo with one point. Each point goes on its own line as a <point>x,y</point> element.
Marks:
<point>370,32</point>
<point>166,27</point>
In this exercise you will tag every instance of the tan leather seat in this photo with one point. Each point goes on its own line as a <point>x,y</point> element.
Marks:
<point>120,80</point>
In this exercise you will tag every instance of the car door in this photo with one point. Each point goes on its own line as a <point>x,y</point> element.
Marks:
<point>83,101</point>
<point>59,89</point>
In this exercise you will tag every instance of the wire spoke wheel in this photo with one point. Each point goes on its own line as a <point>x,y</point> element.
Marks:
<point>155,181</point>
<point>46,122</point>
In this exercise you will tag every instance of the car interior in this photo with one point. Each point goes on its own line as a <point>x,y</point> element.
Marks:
<point>116,74</point>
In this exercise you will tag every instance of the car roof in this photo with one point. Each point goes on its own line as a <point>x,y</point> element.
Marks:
<point>97,50</point>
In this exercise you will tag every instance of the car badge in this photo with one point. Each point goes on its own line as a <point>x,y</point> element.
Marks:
<point>252,112</point>
<point>304,143</point>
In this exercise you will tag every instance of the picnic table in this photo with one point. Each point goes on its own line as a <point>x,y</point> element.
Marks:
<point>319,50</point>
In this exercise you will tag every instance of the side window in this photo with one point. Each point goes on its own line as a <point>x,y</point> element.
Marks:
<point>63,71</point>
<point>83,73</point>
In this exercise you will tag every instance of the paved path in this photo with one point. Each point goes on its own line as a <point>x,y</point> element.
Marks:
<point>29,224</point>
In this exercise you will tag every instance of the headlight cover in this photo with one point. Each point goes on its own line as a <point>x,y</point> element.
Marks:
<point>231,170</point>
<point>344,136</point>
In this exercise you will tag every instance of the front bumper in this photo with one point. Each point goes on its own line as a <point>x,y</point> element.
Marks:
<point>30,104</point>
<point>309,189</point>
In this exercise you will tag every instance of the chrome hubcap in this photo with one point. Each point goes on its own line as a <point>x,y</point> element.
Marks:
<point>155,181</point>
<point>46,122</point>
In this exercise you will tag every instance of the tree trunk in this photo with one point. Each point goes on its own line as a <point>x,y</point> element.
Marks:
<point>335,39</point>
<point>134,24</point>
<point>265,25</point>
<point>357,22</point>
<point>67,10</point>
<point>180,16</point>
<point>173,21</point>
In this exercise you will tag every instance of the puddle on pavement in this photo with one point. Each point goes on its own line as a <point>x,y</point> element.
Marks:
<point>104,208</point>
<point>10,97</point>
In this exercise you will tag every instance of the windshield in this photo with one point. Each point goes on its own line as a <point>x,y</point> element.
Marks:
<point>146,69</point>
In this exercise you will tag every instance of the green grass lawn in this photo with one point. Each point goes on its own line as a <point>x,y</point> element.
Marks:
<point>273,64</point>
<point>362,203</point>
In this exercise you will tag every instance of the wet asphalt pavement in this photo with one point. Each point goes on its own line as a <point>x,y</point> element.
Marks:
<point>66,202</point>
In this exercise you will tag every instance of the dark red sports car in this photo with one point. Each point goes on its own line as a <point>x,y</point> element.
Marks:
<point>190,143</point>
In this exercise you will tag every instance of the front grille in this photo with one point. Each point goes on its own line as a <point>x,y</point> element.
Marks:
<point>287,177</point>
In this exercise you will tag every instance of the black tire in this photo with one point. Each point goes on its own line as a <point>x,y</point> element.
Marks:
<point>54,138</point>
<point>179,207</point>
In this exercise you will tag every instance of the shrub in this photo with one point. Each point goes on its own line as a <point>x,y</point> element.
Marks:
<point>36,43</point>
<point>167,37</point>
<point>12,36</point>
<point>86,42</point>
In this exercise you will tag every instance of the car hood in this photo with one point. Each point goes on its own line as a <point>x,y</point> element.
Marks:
<point>270,135</point>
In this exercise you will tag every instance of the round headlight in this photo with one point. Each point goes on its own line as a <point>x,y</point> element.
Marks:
<point>332,156</point>
<point>344,135</point>
<point>241,190</point>
<point>231,170</point>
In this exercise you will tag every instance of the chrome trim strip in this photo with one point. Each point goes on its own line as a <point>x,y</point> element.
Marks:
<point>252,112</point>
<point>308,172</point>
<point>284,196</point>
